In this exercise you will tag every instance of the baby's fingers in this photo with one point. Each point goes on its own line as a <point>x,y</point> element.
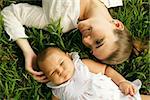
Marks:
<point>132,91</point>
<point>126,92</point>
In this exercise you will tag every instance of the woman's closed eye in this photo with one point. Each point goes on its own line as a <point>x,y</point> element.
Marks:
<point>99,43</point>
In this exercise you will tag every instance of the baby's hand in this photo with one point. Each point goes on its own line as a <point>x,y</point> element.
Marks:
<point>127,88</point>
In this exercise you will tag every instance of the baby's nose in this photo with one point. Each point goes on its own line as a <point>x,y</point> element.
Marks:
<point>59,70</point>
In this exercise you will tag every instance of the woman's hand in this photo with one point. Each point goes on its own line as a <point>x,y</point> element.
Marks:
<point>30,63</point>
<point>30,60</point>
<point>127,88</point>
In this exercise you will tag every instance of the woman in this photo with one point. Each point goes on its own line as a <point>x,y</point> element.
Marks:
<point>111,44</point>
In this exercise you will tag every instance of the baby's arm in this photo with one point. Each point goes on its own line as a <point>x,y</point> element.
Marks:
<point>94,67</point>
<point>124,85</point>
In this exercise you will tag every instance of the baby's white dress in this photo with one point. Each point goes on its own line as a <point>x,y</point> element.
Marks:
<point>85,85</point>
<point>17,15</point>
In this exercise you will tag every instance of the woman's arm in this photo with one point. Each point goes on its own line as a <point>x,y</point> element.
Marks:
<point>17,15</point>
<point>25,46</point>
<point>30,56</point>
<point>30,60</point>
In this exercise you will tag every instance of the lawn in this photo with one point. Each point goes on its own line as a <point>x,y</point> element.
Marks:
<point>15,81</point>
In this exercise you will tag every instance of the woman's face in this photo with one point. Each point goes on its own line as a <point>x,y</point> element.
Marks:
<point>99,37</point>
<point>59,68</point>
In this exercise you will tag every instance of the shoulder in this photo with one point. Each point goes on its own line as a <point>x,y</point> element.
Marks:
<point>94,66</point>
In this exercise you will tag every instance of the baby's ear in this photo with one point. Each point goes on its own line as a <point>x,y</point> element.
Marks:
<point>118,24</point>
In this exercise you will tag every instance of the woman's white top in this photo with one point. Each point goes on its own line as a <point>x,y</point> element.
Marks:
<point>17,15</point>
<point>85,85</point>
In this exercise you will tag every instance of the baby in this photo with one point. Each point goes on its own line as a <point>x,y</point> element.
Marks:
<point>74,79</point>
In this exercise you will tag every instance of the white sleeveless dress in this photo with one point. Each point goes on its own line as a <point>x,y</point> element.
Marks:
<point>85,85</point>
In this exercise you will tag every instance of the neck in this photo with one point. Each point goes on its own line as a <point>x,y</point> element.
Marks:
<point>84,8</point>
<point>94,8</point>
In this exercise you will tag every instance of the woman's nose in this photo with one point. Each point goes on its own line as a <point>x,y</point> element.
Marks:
<point>87,40</point>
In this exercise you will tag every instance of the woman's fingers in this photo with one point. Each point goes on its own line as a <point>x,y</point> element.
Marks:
<point>42,79</point>
<point>38,76</point>
<point>30,62</point>
<point>29,68</point>
<point>33,72</point>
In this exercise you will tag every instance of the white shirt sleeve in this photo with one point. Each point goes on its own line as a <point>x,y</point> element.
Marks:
<point>17,15</point>
<point>112,3</point>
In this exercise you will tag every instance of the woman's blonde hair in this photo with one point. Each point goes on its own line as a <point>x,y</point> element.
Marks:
<point>124,44</point>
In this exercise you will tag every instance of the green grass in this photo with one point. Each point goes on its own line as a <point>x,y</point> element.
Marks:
<point>16,83</point>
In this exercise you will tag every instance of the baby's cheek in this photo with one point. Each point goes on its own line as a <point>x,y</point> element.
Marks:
<point>49,78</point>
<point>57,80</point>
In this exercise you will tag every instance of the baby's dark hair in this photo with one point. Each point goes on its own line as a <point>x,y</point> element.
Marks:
<point>45,54</point>
<point>124,44</point>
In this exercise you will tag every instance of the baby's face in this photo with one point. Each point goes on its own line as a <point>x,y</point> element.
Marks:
<point>59,68</point>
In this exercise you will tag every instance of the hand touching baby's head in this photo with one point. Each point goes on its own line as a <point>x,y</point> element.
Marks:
<point>56,65</point>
